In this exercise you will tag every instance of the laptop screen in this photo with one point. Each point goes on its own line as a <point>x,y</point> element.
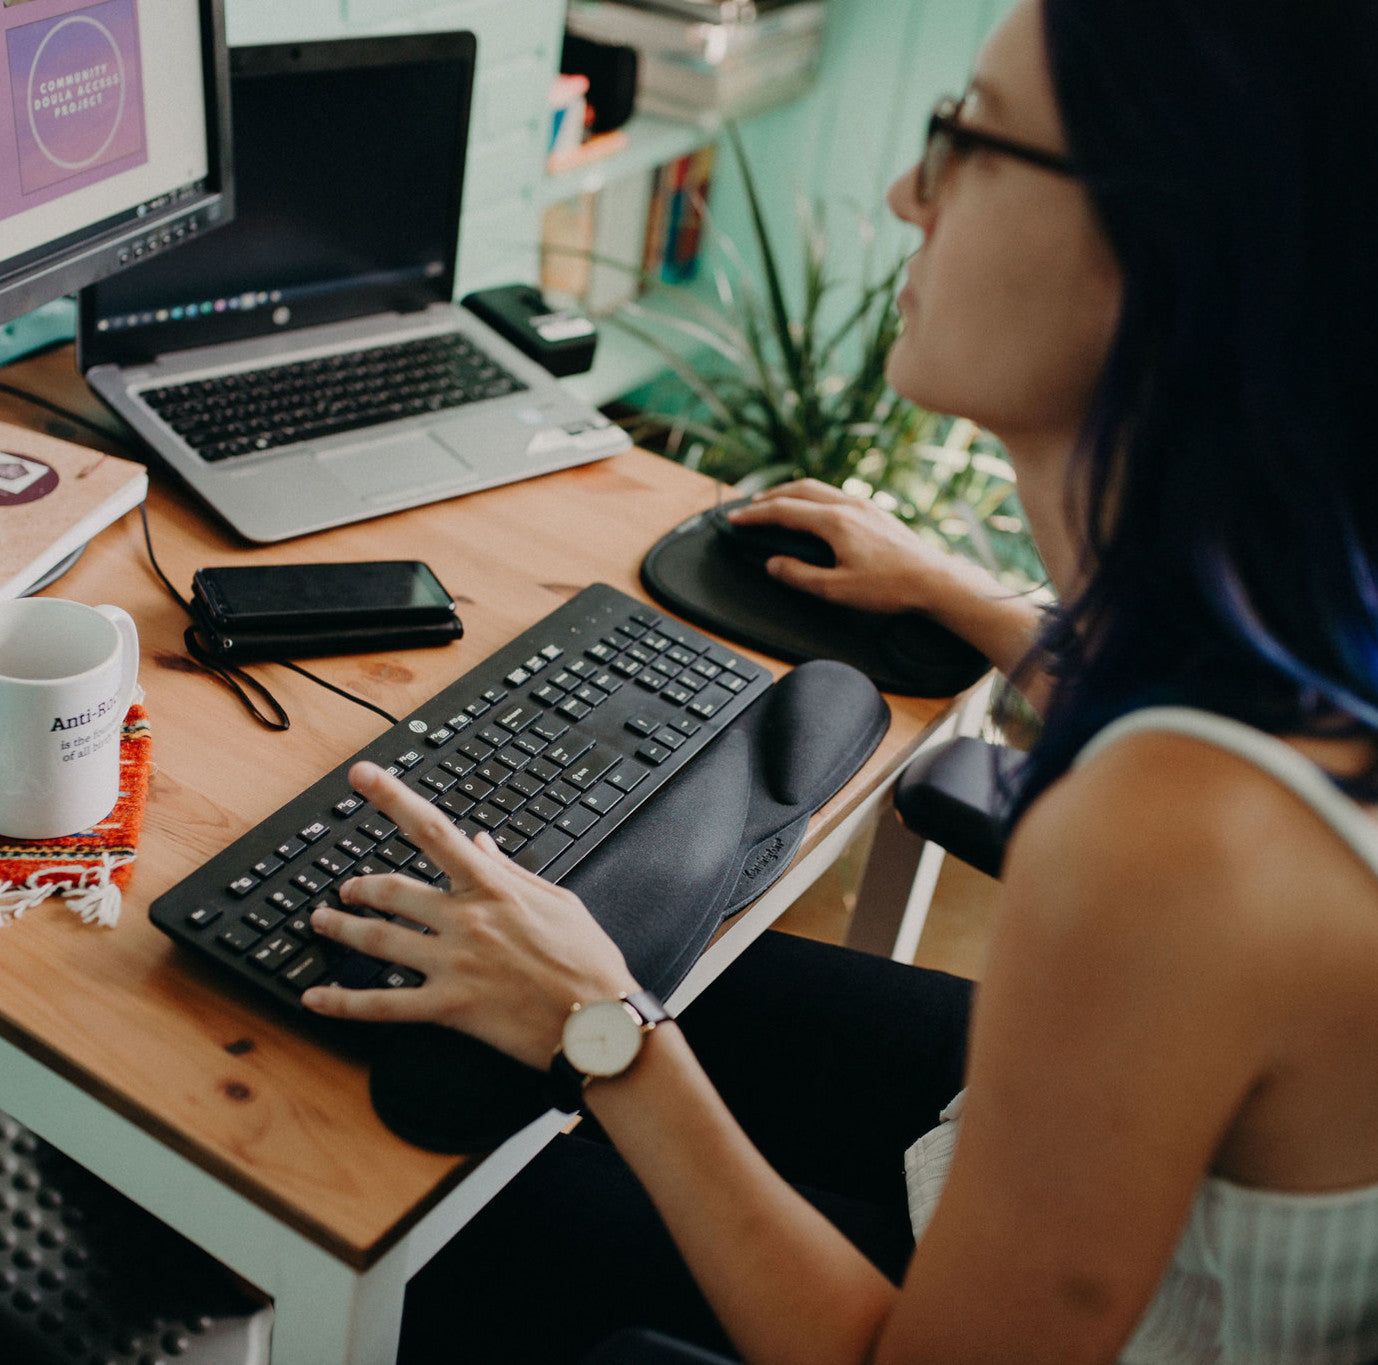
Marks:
<point>349,158</point>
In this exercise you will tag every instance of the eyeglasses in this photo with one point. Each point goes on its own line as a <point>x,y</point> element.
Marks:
<point>949,138</point>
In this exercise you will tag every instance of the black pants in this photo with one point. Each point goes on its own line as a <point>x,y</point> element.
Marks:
<point>833,1062</point>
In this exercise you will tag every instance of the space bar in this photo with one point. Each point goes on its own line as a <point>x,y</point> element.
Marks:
<point>537,855</point>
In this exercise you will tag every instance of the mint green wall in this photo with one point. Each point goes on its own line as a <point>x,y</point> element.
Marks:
<point>885,64</point>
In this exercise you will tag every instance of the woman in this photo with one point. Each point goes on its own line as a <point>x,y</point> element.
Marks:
<point>1148,266</point>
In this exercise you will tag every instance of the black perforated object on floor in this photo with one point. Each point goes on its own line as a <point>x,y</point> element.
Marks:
<point>89,1278</point>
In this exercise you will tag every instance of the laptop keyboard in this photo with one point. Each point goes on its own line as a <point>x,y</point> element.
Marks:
<point>549,744</point>
<point>253,410</point>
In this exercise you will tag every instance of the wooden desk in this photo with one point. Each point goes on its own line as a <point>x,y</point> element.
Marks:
<point>230,1124</point>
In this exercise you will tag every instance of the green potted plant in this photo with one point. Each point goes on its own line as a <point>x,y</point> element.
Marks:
<point>773,394</point>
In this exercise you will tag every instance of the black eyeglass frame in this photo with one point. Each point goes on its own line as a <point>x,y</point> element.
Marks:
<point>944,123</point>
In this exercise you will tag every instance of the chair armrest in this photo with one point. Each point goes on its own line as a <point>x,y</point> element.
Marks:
<point>953,794</point>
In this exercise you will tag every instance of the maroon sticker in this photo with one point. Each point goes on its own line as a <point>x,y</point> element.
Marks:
<point>24,479</point>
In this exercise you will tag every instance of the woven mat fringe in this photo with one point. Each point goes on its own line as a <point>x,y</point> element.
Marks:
<point>86,891</point>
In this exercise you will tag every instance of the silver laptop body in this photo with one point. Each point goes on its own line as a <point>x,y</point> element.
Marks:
<point>183,317</point>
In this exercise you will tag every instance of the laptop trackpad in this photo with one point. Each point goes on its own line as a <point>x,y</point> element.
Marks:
<point>384,471</point>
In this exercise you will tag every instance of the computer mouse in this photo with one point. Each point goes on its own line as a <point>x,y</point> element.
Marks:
<point>761,541</point>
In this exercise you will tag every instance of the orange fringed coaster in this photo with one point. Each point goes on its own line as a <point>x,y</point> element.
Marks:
<point>90,869</point>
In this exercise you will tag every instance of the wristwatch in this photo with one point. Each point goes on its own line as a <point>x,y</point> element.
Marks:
<point>601,1039</point>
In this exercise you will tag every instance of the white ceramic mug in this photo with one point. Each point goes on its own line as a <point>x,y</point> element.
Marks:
<point>67,676</point>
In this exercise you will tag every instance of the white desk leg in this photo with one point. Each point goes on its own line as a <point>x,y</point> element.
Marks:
<point>324,1313</point>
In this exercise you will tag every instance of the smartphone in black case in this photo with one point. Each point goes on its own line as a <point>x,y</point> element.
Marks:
<point>292,611</point>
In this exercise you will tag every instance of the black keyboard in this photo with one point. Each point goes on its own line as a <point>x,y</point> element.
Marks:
<point>549,744</point>
<point>243,413</point>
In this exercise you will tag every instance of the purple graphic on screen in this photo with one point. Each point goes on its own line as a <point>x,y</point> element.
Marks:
<point>77,93</point>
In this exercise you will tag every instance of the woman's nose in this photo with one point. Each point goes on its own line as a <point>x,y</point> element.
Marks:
<point>903,198</point>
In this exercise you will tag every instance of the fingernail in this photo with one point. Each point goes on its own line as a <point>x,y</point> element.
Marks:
<point>320,915</point>
<point>346,889</point>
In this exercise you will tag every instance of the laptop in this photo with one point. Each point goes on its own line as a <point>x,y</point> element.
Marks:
<point>304,366</point>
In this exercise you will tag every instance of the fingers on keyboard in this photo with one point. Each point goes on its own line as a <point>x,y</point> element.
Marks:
<point>373,1006</point>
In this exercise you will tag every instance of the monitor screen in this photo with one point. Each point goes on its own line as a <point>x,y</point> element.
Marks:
<point>114,138</point>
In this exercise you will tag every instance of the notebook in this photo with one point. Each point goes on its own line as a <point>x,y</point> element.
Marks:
<point>54,496</point>
<point>304,366</point>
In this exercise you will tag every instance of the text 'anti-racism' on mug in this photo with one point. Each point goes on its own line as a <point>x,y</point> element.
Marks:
<point>67,676</point>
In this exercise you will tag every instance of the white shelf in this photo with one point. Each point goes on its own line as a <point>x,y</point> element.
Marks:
<point>652,141</point>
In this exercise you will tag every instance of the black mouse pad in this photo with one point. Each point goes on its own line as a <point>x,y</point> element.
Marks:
<point>711,842</point>
<point>694,572</point>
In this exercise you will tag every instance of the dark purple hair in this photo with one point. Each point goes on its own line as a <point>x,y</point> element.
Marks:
<point>1227,468</point>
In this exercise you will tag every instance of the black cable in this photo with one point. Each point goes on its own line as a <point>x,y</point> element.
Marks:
<point>330,686</point>
<point>230,676</point>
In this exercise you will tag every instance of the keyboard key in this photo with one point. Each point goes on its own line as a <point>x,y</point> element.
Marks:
<point>492,772</point>
<point>527,824</point>
<point>653,752</point>
<point>311,881</point>
<point>575,745</point>
<point>425,869</point>
<point>494,695</point>
<point>203,916</point>
<point>265,921</point>
<point>574,708</point>
<point>525,783</point>
<point>315,830</point>
<point>508,800</point>
<point>543,850</point>
<point>543,809</point>
<point>456,806</point>
<point>265,867</point>
<point>628,668</point>
<point>334,862</point>
<point>686,726</point>
<point>543,770</point>
<point>513,758</point>
<point>348,805</point>
<point>604,653</point>
<point>476,788</point>
<point>706,668</point>
<point>627,776</point>
<point>241,886</point>
<point>284,900</point>
<point>306,969</point>
<point>408,760</point>
<point>651,680</point>
<point>585,773</point>
<point>602,798</point>
<point>278,950</point>
<point>675,694</point>
<point>531,745</point>
<point>396,853</point>
<point>478,708</point>
<point>439,781</point>
<point>576,820</point>
<point>440,737</point>
<point>680,655</point>
<point>377,828</point>
<point>490,734</point>
<point>641,725</point>
<point>489,816</point>
<point>669,737</point>
<point>518,677</point>
<point>549,729</point>
<point>238,938</point>
<point>551,652</point>
<point>289,848</point>
<point>534,664</point>
<point>548,694</point>
<point>732,682</point>
<point>581,668</point>
<point>357,971</point>
<point>565,680</point>
<point>508,840</point>
<point>515,719</point>
<point>691,680</point>
<point>458,766</point>
<point>473,748</point>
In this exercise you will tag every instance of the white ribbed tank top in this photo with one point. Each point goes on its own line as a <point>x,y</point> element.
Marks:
<point>1259,1276</point>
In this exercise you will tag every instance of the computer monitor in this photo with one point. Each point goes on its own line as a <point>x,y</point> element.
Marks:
<point>114,138</point>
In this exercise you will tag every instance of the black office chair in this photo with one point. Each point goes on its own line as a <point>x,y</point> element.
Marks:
<point>87,1275</point>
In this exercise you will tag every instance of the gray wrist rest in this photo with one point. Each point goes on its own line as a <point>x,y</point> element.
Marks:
<point>708,844</point>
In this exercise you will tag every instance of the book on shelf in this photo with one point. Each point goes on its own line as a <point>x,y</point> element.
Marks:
<point>592,245</point>
<point>54,496</point>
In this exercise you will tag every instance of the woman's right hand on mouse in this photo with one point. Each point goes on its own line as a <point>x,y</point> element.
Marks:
<point>881,564</point>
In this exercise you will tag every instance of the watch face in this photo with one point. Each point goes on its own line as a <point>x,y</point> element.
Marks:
<point>602,1039</point>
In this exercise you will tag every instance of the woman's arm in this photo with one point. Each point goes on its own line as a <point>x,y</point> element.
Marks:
<point>1117,1033</point>
<point>883,566</point>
